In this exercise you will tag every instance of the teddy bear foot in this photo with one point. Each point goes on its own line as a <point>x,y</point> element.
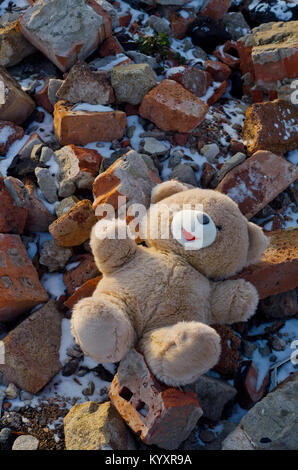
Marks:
<point>102,328</point>
<point>179,354</point>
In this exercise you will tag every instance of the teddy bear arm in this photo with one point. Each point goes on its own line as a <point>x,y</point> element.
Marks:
<point>102,328</point>
<point>232,301</point>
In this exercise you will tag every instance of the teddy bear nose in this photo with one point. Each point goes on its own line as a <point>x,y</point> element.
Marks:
<point>203,219</point>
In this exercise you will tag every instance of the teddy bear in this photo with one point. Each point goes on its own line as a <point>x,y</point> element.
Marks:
<point>163,298</point>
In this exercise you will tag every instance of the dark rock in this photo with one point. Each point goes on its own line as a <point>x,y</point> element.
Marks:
<point>279,306</point>
<point>272,10</point>
<point>208,33</point>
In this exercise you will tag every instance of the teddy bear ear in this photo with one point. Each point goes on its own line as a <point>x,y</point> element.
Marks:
<point>166,189</point>
<point>258,243</point>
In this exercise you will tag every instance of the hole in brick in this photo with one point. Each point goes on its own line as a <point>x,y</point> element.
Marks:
<point>6,281</point>
<point>142,408</point>
<point>125,393</point>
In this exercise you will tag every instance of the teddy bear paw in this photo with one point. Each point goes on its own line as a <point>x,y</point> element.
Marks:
<point>102,329</point>
<point>245,301</point>
<point>179,354</point>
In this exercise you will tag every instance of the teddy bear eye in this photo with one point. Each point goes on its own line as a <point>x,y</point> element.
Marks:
<point>203,219</point>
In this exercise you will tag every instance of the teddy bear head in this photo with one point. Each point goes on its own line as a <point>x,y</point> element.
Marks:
<point>205,227</point>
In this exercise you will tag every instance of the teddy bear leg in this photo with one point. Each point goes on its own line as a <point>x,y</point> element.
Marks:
<point>233,301</point>
<point>102,328</point>
<point>180,353</point>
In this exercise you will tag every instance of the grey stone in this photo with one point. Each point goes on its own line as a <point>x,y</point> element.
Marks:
<point>210,152</point>
<point>83,85</point>
<point>93,426</point>
<point>46,154</point>
<point>132,82</point>
<point>12,391</point>
<point>25,442</point>
<point>54,85</point>
<point>140,58</point>
<point>278,344</point>
<point>47,184</point>
<point>235,24</point>
<point>5,434</point>
<point>264,351</point>
<point>160,25</point>
<point>26,397</point>
<point>71,176</point>
<point>175,160</point>
<point>199,53</point>
<point>248,348</point>
<point>213,394</point>
<point>272,423</point>
<point>154,147</point>
<point>237,440</point>
<point>207,436</point>
<point>227,166</point>
<point>54,257</point>
<point>185,174</point>
<point>65,205</point>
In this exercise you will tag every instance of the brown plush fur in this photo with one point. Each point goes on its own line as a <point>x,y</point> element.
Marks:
<point>163,298</point>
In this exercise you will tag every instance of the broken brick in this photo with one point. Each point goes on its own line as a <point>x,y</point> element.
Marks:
<point>81,127</point>
<point>230,358</point>
<point>32,349</point>
<point>161,415</point>
<point>12,217</point>
<point>172,108</point>
<point>20,289</point>
<point>85,290</point>
<point>271,126</point>
<point>73,228</point>
<point>257,181</point>
<point>278,269</point>
<point>216,9</point>
<point>77,276</point>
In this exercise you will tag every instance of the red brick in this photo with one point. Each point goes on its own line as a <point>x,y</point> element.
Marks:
<point>179,25</point>
<point>161,415</point>
<point>125,20</point>
<point>230,357</point>
<point>278,269</point>
<point>82,127</point>
<point>226,54</point>
<point>192,79</point>
<point>73,228</point>
<point>12,217</point>
<point>172,108</point>
<point>216,9</point>
<point>85,290</point>
<point>207,174</point>
<point>246,383</point>
<point>218,93</point>
<point>110,47</point>
<point>41,98</point>
<point>218,71</point>
<point>257,181</point>
<point>271,126</point>
<point>20,289</point>
<point>270,52</point>
<point>85,271</point>
<point>32,350</point>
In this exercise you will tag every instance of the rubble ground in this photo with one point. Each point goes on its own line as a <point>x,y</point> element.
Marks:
<point>198,91</point>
